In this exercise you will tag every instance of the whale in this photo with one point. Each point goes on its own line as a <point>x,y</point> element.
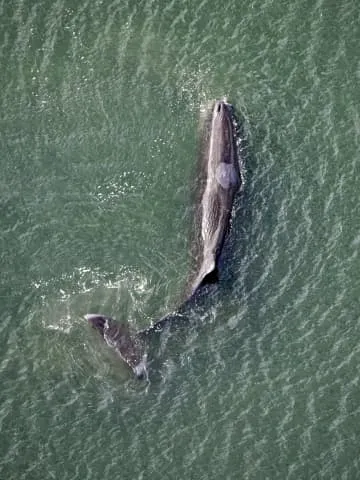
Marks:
<point>218,182</point>
<point>221,180</point>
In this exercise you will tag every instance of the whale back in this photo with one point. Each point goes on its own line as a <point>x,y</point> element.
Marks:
<point>218,181</point>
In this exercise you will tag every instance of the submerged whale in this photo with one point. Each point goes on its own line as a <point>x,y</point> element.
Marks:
<point>221,179</point>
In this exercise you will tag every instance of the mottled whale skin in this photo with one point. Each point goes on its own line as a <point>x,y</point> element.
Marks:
<point>127,344</point>
<point>221,181</point>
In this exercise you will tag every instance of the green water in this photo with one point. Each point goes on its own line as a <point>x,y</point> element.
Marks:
<point>100,104</point>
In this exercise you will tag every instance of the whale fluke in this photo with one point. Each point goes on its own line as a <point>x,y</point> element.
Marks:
<point>126,343</point>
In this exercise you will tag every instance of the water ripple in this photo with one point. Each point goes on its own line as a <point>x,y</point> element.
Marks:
<point>100,104</point>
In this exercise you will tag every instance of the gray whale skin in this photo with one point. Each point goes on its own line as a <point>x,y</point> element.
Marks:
<point>221,180</point>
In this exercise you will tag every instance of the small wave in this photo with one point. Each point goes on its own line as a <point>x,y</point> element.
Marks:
<point>87,289</point>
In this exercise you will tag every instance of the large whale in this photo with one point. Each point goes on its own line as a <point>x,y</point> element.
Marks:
<point>220,180</point>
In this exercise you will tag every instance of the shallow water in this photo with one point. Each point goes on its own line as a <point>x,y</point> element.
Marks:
<point>100,106</point>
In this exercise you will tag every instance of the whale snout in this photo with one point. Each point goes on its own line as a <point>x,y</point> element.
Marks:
<point>222,109</point>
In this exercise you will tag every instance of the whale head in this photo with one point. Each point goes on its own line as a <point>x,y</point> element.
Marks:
<point>222,111</point>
